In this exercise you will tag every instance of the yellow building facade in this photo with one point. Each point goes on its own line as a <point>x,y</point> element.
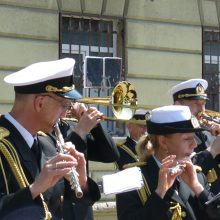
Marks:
<point>162,43</point>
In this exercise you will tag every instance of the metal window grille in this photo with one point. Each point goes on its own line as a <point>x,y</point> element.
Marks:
<point>86,36</point>
<point>211,65</point>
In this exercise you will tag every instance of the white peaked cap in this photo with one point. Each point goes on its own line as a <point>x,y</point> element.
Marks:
<point>41,71</point>
<point>140,114</point>
<point>172,119</point>
<point>51,76</point>
<point>190,89</point>
<point>170,113</point>
<point>141,111</point>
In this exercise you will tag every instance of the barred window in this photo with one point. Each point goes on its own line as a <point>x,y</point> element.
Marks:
<point>82,38</point>
<point>211,65</point>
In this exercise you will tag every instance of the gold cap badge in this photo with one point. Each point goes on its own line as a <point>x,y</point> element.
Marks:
<point>200,89</point>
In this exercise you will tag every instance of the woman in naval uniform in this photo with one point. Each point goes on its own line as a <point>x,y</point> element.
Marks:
<point>179,193</point>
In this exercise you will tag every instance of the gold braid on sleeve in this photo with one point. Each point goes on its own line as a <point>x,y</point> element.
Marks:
<point>144,192</point>
<point>176,210</point>
<point>7,150</point>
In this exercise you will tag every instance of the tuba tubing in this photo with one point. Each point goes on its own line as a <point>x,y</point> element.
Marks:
<point>74,180</point>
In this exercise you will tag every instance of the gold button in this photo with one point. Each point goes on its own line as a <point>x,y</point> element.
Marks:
<point>219,165</point>
<point>183,214</point>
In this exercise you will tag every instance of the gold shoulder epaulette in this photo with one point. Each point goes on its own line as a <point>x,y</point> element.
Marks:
<point>3,133</point>
<point>135,164</point>
<point>211,176</point>
<point>70,119</point>
<point>41,133</point>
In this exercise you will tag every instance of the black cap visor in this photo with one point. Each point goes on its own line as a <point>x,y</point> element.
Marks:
<point>197,98</point>
<point>190,94</point>
<point>73,95</point>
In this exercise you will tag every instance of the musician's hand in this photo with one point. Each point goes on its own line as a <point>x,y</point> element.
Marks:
<point>77,109</point>
<point>166,180</point>
<point>214,148</point>
<point>189,176</point>
<point>214,128</point>
<point>53,170</point>
<point>88,121</point>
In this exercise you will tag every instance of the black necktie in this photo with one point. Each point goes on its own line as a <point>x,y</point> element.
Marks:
<point>175,186</point>
<point>36,151</point>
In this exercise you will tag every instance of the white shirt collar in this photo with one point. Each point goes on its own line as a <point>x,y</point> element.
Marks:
<point>25,134</point>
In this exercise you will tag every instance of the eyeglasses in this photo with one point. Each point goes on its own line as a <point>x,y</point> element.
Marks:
<point>64,103</point>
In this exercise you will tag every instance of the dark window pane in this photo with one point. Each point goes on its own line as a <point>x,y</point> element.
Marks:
<point>207,36</point>
<point>94,71</point>
<point>211,48</point>
<point>101,54</point>
<point>112,71</point>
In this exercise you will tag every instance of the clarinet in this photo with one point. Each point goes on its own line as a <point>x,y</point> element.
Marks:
<point>74,180</point>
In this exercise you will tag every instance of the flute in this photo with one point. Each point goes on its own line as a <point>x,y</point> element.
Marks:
<point>74,180</point>
<point>175,169</point>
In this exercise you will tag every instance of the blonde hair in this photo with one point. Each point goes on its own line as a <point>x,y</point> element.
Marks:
<point>146,146</point>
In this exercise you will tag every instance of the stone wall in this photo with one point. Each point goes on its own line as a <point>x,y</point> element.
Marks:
<point>106,207</point>
<point>105,211</point>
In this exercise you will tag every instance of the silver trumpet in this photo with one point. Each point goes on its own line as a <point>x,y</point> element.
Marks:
<point>74,180</point>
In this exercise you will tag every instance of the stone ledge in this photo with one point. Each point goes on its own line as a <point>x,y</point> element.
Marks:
<point>98,166</point>
<point>104,207</point>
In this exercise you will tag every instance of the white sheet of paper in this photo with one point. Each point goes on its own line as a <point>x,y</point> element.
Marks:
<point>123,181</point>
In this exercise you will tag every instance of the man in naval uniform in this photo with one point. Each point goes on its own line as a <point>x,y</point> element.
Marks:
<point>192,93</point>
<point>83,128</point>
<point>35,178</point>
<point>135,131</point>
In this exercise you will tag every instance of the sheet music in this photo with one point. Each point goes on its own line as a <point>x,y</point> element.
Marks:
<point>123,181</point>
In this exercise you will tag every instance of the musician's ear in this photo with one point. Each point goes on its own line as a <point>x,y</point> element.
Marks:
<point>38,102</point>
<point>162,141</point>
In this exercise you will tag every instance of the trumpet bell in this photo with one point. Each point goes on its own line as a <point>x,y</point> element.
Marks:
<point>210,115</point>
<point>124,95</point>
<point>123,102</point>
